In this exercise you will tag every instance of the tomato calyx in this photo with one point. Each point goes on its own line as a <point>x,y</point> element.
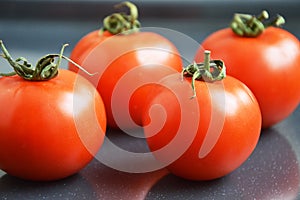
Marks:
<point>246,25</point>
<point>122,23</point>
<point>45,69</point>
<point>209,71</point>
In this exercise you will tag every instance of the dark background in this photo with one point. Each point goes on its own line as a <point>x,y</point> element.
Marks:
<point>44,25</point>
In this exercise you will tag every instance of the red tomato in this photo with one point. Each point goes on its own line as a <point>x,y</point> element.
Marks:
<point>49,129</point>
<point>268,64</point>
<point>144,56</point>
<point>205,137</point>
<point>85,46</point>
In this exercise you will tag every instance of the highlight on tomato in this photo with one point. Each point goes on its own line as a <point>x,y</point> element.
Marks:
<point>202,124</point>
<point>121,49</point>
<point>52,121</point>
<point>263,56</point>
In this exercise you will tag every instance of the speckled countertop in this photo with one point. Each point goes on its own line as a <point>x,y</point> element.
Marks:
<point>271,172</point>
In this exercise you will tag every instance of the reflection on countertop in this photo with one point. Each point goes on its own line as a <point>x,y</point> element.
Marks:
<point>271,172</point>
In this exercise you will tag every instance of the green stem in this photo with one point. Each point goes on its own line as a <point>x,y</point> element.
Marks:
<point>278,21</point>
<point>206,63</point>
<point>134,14</point>
<point>263,16</point>
<point>209,70</point>
<point>45,69</point>
<point>8,74</point>
<point>79,67</point>
<point>246,25</point>
<point>121,22</point>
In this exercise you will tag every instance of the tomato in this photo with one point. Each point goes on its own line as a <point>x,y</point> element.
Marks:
<point>49,129</point>
<point>143,56</point>
<point>268,64</point>
<point>206,136</point>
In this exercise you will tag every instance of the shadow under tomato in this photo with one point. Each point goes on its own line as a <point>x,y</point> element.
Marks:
<point>271,172</point>
<point>110,183</point>
<point>95,181</point>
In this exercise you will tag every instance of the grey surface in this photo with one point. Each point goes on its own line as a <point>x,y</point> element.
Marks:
<point>271,172</point>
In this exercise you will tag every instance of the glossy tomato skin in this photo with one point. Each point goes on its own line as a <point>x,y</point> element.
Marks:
<point>85,45</point>
<point>267,64</point>
<point>228,128</point>
<point>49,129</point>
<point>138,59</point>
